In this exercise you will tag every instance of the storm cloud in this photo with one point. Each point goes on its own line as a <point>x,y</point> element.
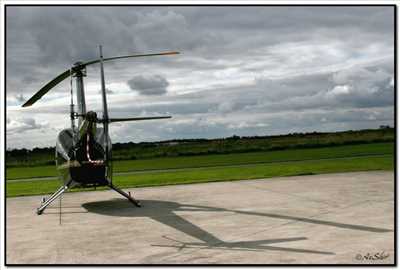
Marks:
<point>149,85</point>
<point>19,126</point>
<point>242,70</point>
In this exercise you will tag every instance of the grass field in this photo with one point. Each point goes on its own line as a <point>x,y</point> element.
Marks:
<point>221,160</point>
<point>228,145</point>
<point>377,156</point>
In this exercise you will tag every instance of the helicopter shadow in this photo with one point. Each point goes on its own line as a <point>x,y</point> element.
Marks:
<point>164,212</point>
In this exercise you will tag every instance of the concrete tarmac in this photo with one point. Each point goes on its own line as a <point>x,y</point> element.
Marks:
<point>345,218</point>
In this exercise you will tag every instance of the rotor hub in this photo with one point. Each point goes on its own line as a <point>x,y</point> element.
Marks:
<point>91,116</point>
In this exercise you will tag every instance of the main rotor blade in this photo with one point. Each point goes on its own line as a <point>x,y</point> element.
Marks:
<point>112,120</point>
<point>126,56</point>
<point>66,74</point>
<point>47,88</point>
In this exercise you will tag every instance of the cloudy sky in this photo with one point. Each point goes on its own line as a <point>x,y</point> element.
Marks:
<point>242,70</point>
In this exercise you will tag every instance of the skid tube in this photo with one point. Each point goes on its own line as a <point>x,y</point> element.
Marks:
<point>54,196</point>
<point>64,188</point>
<point>126,195</point>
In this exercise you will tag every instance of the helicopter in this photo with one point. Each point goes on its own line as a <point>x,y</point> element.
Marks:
<point>84,151</point>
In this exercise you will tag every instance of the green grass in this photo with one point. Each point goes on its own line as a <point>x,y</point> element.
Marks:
<point>258,157</point>
<point>221,160</point>
<point>29,172</point>
<point>199,175</point>
<point>229,145</point>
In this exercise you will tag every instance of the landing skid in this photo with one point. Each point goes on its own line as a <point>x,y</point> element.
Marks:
<point>49,200</point>
<point>126,195</point>
<point>64,188</point>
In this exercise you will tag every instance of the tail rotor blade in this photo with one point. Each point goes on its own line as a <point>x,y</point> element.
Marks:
<point>113,120</point>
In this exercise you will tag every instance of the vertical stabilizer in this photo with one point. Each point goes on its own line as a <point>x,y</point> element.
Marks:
<point>105,108</point>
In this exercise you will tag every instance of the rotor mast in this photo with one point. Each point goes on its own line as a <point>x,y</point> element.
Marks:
<point>80,93</point>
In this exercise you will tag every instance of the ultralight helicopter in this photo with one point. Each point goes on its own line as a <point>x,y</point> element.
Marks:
<point>83,152</point>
